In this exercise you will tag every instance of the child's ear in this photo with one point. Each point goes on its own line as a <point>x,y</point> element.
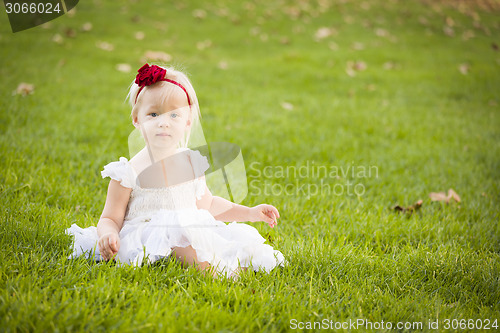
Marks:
<point>135,122</point>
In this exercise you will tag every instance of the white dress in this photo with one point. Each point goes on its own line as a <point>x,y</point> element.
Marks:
<point>158,219</point>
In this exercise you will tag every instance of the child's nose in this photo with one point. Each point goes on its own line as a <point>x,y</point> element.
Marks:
<point>163,120</point>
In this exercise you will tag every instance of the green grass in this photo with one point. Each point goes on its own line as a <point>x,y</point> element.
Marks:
<point>423,124</point>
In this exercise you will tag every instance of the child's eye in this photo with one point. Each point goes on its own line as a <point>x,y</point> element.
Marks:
<point>153,114</point>
<point>174,115</point>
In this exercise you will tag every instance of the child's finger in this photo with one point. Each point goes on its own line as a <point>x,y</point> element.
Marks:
<point>113,245</point>
<point>275,211</point>
<point>276,217</point>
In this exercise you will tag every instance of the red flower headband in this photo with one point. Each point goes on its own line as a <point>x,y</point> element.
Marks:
<point>149,75</point>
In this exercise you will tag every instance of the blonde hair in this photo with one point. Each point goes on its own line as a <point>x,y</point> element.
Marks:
<point>167,89</point>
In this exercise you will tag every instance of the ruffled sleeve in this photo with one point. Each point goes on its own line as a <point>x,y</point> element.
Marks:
<point>120,171</point>
<point>200,165</point>
<point>199,162</point>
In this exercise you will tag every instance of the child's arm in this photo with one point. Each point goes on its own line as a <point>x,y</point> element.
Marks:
<point>227,211</point>
<point>111,220</point>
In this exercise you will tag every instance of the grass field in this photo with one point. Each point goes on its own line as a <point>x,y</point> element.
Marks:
<point>409,89</point>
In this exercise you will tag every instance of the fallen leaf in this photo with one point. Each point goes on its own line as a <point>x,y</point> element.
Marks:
<point>423,21</point>
<point>323,33</point>
<point>348,19</point>
<point>87,26</point>
<point>438,196</point>
<point>72,12</point>
<point>204,44</point>
<point>441,196</point>
<point>105,46</point>
<point>453,195</point>
<point>371,87</point>
<point>223,65</point>
<point>468,34</point>
<point>47,25</point>
<point>355,66</point>
<point>254,31</point>
<point>156,56</point>
<point>284,40</point>
<point>389,65</point>
<point>365,5</point>
<point>450,22</point>
<point>333,46</point>
<point>124,68</point>
<point>357,46</point>
<point>139,35</point>
<point>223,12</point>
<point>464,69</point>
<point>70,32</point>
<point>57,39</point>
<point>410,209</point>
<point>24,89</point>
<point>287,106</point>
<point>448,31</point>
<point>381,32</point>
<point>199,14</point>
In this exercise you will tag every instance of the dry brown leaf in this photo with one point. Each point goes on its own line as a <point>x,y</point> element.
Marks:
<point>355,66</point>
<point>199,14</point>
<point>284,40</point>
<point>448,31</point>
<point>71,33</point>
<point>453,195</point>
<point>72,12</point>
<point>468,34</point>
<point>124,68</point>
<point>441,196</point>
<point>333,46</point>
<point>223,65</point>
<point>438,196</point>
<point>348,19</point>
<point>87,26</point>
<point>139,35</point>
<point>464,69</point>
<point>46,25</point>
<point>156,56</point>
<point>389,65</point>
<point>450,22</point>
<point>410,209</point>
<point>24,89</point>
<point>381,32</point>
<point>204,44</point>
<point>57,39</point>
<point>287,106</point>
<point>105,46</point>
<point>357,46</point>
<point>423,21</point>
<point>324,32</point>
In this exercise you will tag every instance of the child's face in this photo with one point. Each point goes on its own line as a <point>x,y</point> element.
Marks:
<point>163,123</point>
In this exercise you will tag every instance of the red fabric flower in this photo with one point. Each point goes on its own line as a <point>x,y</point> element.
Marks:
<point>149,75</point>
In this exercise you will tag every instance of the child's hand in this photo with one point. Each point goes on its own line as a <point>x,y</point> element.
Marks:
<point>109,245</point>
<point>266,213</point>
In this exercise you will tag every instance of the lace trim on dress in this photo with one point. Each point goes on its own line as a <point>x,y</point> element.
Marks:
<point>120,171</point>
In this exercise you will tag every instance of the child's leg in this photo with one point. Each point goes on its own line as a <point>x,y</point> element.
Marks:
<point>187,256</point>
